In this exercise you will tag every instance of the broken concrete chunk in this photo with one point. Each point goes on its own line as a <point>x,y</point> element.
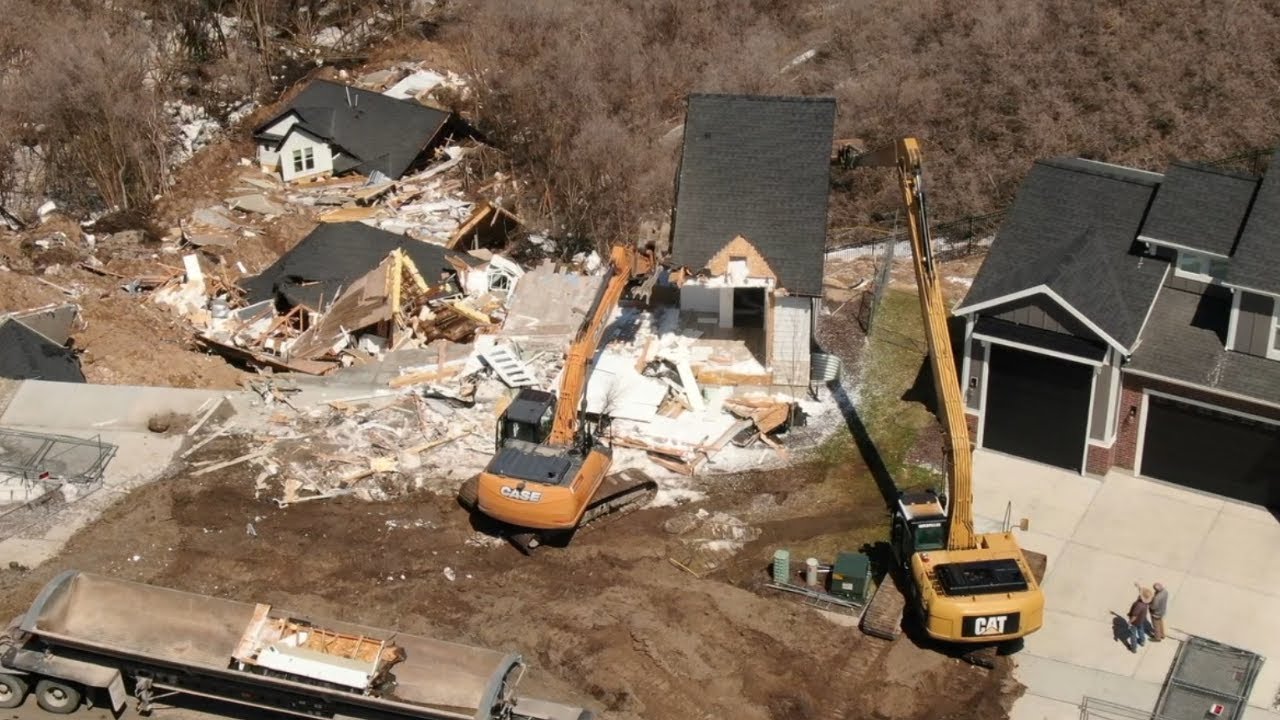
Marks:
<point>214,217</point>
<point>258,203</point>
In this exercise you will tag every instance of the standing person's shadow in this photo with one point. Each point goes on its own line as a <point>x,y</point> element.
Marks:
<point>1120,629</point>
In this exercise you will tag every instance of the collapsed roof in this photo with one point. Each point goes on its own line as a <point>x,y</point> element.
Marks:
<point>758,167</point>
<point>27,355</point>
<point>334,255</point>
<point>374,131</point>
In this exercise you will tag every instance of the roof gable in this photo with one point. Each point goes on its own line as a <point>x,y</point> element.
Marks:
<point>382,132</point>
<point>756,167</point>
<point>1256,261</point>
<point>1200,208</point>
<point>1071,235</point>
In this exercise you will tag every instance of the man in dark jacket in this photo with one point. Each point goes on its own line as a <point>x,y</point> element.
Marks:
<point>1139,617</point>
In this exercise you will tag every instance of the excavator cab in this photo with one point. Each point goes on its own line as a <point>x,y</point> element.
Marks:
<point>529,417</point>
<point>919,525</point>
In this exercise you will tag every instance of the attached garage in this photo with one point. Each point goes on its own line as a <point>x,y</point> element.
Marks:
<point>1212,450</point>
<point>1037,407</point>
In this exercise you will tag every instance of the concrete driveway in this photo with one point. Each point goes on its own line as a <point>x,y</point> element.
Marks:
<point>1218,558</point>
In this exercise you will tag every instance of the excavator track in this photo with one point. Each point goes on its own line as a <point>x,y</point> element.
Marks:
<point>882,617</point>
<point>619,494</point>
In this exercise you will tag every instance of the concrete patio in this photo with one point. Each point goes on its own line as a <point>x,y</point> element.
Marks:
<point>1217,557</point>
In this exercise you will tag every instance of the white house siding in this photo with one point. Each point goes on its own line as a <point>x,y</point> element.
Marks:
<point>282,127</point>
<point>792,322</point>
<point>300,140</point>
<point>268,157</point>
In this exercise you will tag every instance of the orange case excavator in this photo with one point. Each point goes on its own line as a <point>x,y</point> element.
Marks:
<point>549,476</point>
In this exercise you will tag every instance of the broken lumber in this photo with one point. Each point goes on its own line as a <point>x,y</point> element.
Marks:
<point>425,376</point>
<point>236,461</point>
<point>212,436</point>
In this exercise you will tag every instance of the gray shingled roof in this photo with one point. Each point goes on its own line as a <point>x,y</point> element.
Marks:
<point>1183,342</point>
<point>27,355</point>
<point>1256,262</point>
<point>1073,229</point>
<point>757,167</point>
<point>333,256</point>
<point>1200,208</point>
<point>382,133</point>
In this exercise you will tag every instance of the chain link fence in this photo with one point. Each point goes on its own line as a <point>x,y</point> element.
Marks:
<point>40,472</point>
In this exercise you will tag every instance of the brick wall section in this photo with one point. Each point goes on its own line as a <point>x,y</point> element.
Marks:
<point>1126,446</point>
<point>972,421</point>
<point>1099,460</point>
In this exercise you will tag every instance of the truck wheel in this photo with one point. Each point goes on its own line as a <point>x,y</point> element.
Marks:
<point>13,690</point>
<point>56,697</point>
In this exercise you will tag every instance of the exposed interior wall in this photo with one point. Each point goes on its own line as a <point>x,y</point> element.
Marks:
<point>699,298</point>
<point>790,340</point>
<point>320,152</point>
<point>51,321</point>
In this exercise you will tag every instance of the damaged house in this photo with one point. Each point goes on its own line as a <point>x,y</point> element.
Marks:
<point>749,227</point>
<point>33,345</point>
<point>1131,319</point>
<point>334,255</point>
<point>334,129</point>
<point>349,291</point>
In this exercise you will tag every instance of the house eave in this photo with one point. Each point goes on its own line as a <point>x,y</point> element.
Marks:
<point>1047,292</point>
<point>1203,388</point>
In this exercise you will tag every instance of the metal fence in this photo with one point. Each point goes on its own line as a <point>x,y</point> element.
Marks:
<point>1208,675</point>
<point>39,469</point>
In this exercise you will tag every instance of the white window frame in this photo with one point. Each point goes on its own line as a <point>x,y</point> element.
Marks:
<point>1204,265</point>
<point>304,159</point>
<point>1273,353</point>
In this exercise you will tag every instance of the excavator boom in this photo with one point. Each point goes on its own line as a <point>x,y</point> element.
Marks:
<point>905,156</point>
<point>577,362</point>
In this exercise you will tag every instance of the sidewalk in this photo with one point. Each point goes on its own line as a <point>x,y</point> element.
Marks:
<point>1101,537</point>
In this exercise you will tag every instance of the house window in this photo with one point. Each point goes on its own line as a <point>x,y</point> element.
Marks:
<point>304,159</point>
<point>1200,267</point>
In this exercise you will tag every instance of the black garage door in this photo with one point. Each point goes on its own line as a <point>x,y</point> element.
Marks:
<point>1037,407</point>
<point>1221,453</point>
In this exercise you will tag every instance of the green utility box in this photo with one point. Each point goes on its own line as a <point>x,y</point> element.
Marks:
<point>850,575</point>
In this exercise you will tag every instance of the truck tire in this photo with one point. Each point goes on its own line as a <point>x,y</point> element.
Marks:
<point>13,690</point>
<point>57,697</point>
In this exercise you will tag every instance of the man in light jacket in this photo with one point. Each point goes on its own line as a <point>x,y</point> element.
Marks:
<point>1159,606</point>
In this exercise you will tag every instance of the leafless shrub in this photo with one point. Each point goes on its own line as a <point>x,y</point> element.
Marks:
<point>581,94</point>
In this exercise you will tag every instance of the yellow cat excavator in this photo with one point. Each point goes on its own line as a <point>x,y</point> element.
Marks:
<point>973,589</point>
<point>549,476</point>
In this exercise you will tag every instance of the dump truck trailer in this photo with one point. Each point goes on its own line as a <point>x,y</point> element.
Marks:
<point>89,633</point>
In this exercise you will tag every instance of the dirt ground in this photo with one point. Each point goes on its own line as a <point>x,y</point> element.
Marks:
<point>609,621</point>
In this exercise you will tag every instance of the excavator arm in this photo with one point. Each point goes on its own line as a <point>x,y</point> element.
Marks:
<point>577,363</point>
<point>905,156</point>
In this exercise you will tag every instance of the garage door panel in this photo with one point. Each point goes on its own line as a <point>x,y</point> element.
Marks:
<point>1037,407</point>
<point>1217,452</point>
